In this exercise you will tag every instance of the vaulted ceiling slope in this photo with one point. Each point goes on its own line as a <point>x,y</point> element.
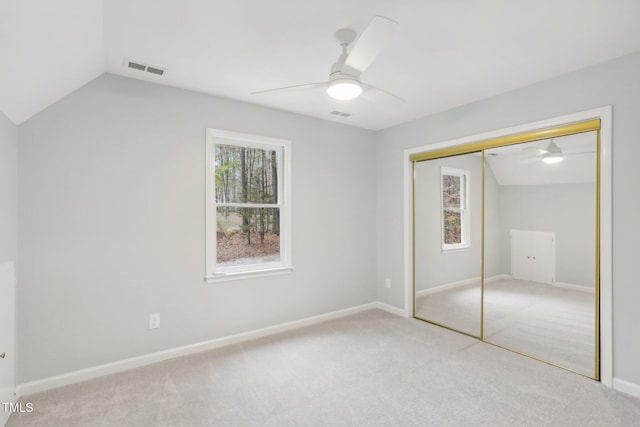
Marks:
<point>48,49</point>
<point>444,54</point>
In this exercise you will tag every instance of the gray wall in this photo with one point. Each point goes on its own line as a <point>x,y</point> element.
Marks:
<point>493,260</point>
<point>8,190</point>
<point>569,210</point>
<point>566,209</point>
<point>111,219</point>
<point>433,266</point>
<point>615,82</point>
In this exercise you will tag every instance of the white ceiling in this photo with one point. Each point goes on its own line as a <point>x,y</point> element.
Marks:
<point>446,52</point>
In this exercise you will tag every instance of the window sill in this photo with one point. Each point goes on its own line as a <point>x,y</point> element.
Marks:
<point>240,275</point>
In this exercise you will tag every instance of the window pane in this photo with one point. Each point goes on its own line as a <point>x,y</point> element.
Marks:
<point>246,175</point>
<point>451,191</point>
<point>452,227</point>
<point>247,236</point>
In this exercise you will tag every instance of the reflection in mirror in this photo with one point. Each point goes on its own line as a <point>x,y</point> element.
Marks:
<point>540,250</point>
<point>447,239</point>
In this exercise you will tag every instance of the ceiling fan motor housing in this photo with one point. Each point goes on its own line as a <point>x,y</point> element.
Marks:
<point>339,70</point>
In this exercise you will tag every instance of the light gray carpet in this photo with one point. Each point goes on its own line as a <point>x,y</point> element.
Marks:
<point>457,307</point>
<point>369,369</point>
<point>548,322</point>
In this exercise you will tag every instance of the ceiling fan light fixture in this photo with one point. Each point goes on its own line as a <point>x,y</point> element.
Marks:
<point>344,89</point>
<point>552,157</point>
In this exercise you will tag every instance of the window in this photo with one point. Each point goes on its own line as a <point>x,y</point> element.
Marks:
<point>455,208</point>
<point>248,205</point>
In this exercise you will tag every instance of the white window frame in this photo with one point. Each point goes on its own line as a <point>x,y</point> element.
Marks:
<point>213,272</point>
<point>464,208</point>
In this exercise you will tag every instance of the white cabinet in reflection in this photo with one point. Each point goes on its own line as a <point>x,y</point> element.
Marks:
<point>533,255</point>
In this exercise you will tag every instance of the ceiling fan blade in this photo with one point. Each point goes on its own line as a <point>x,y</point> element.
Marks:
<point>535,149</point>
<point>372,40</point>
<point>292,88</point>
<point>379,96</point>
<point>530,160</point>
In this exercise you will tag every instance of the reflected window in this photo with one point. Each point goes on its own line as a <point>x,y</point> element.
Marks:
<point>455,208</point>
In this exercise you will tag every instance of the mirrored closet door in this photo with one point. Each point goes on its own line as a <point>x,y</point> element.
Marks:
<point>448,241</point>
<point>505,243</point>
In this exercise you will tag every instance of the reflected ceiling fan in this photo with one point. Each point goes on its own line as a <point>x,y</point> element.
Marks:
<point>344,81</point>
<point>552,153</point>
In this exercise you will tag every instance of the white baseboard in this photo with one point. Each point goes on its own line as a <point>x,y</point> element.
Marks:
<point>451,285</point>
<point>574,287</point>
<point>391,309</point>
<point>558,284</point>
<point>498,277</point>
<point>462,283</point>
<point>626,387</point>
<point>147,359</point>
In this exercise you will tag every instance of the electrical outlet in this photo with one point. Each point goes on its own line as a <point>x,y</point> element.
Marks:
<point>154,321</point>
<point>387,283</point>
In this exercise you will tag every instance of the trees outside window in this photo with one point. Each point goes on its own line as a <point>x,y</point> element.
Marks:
<point>455,208</point>
<point>247,206</point>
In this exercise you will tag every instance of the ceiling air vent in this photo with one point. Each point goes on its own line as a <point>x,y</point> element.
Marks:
<point>339,113</point>
<point>137,66</point>
<point>154,70</point>
<point>143,67</point>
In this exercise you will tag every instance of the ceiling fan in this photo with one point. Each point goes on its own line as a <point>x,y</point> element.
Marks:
<point>344,81</point>
<point>552,153</point>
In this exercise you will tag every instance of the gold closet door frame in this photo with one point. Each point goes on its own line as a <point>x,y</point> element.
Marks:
<point>481,146</point>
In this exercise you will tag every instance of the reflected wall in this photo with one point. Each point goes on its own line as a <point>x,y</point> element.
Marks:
<point>544,219</point>
<point>447,279</point>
